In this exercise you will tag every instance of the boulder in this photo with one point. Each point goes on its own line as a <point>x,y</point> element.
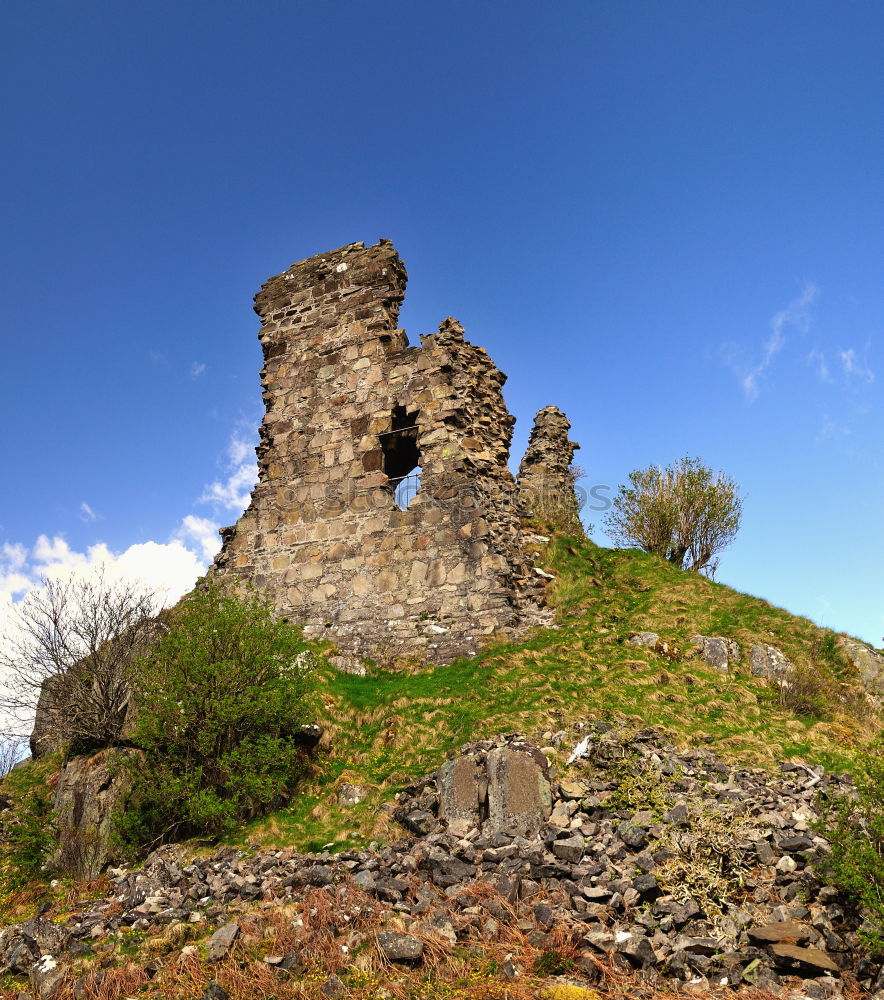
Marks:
<point>717,651</point>
<point>18,950</point>
<point>351,795</point>
<point>46,976</point>
<point>222,941</point>
<point>398,947</point>
<point>519,792</point>
<point>88,791</point>
<point>769,662</point>
<point>649,639</point>
<point>869,663</point>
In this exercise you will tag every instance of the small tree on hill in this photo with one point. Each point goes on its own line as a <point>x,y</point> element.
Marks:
<point>685,513</point>
<point>223,698</point>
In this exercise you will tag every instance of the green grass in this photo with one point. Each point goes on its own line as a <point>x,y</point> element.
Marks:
<point>390,727</point>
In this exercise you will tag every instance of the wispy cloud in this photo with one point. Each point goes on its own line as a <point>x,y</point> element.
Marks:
<point>795,316</point>
<point>233,492</point>
<point>196,369</point>
<point>833,428</point>
<point>820,363</point>
<point>87,514</point>
<point>854,369</point>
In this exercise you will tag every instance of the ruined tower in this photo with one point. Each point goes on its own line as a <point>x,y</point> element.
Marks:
<point>385,516</point>
<point>546,476</point>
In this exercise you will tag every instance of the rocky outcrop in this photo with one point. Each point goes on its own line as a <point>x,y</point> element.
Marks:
<point>717,651</point>
<point>621,870</point>
<point>869,663</point>
<point>88,791</point>
<point>768,661</point>
<point>546,477</point>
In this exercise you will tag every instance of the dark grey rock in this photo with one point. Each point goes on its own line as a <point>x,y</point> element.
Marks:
<point>222,940</point>
<point>632,835</point>
<point>399,947</point>
<point>215,992</point>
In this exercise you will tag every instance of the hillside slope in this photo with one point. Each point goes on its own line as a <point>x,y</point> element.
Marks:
<point>390,726</point>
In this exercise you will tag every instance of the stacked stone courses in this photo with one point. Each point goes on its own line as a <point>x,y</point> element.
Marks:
<point>546,477</point>
<point>351,411</point>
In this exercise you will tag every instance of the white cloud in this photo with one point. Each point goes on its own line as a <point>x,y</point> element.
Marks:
<point>171,568</point>
<point>240,449</point>
<point>796,315</point>
<point>13,571</point>
<point>196,369</point>
<point>203,532</point>
<point>233,492</point>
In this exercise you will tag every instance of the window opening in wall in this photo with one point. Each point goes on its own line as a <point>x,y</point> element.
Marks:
<point>402,457</point>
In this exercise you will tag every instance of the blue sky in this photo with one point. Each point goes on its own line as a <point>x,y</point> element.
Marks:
<point>666,218</point>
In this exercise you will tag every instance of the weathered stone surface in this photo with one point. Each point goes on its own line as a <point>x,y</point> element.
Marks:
<point>46,977</point>
<point>769,662</point>
<point>18,950</point>
<point>570,849</point>
<point>351,413</point>
<point>46,735</point>
<point>459,794</point>
<point>519,793</point>
<point>649,639</point>
<point>807,956</point>
<point>87,793</point>
<point>717,651</point>
<point>222,941</point>
<point>868,662</point>
<point>400,947</point>
<point>787,931</point>
<point>351,795</point>
<point>546,479</point>
<point>333,987</point>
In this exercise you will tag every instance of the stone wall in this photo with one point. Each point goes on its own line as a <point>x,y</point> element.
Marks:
<point>546,480</point>
<point>337,533</point>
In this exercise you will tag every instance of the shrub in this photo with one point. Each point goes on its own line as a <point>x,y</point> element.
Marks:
<point>221,700</point>
<point>685,513</point>
<point>27,825</point>
<point>809,691</point>
<point>854,826</point>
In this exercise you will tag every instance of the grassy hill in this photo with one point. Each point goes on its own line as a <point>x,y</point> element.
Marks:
<point>390,727</point>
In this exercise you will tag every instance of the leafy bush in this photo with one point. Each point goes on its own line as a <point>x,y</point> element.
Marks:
<point>27,826</point>
<point>854,825</point>
<point>221,700</point>
<point>685,513</point>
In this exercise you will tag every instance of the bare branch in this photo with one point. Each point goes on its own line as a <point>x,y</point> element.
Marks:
<point>66,659</point>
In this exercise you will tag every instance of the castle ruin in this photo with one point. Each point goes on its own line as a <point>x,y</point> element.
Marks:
<point>385,516</point>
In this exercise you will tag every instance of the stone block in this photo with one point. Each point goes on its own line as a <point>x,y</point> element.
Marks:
<point>519,793</point>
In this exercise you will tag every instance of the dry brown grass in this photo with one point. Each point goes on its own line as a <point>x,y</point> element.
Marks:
<point>106,984</point>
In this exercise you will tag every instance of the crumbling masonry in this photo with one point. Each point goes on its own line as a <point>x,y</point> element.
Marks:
<point>385,516</point>
<point>546,475</point>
